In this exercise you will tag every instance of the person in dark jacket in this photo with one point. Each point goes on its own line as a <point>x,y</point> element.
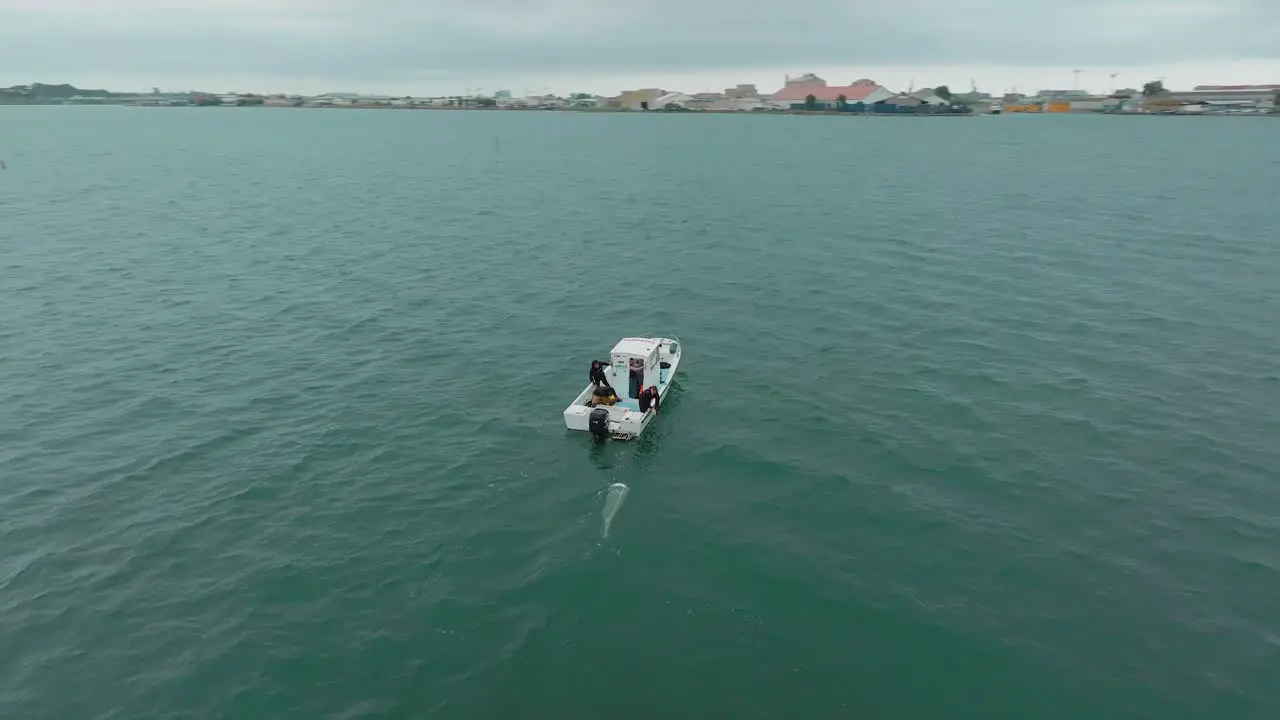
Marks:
<point>602,395</point>
<point>649,398</point>
<point>596,377</point>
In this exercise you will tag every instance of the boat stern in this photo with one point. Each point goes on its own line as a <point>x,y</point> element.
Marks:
<point>620,423</point>
<point>577,417</point>
<point>631,424</point>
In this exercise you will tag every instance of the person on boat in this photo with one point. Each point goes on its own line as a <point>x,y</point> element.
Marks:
<point>636,377</point>
<point>603,395</point>
<point>596,377</point>
<point>649,398</point>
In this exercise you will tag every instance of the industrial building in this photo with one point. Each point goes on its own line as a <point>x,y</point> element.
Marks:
<point>1263,97</point>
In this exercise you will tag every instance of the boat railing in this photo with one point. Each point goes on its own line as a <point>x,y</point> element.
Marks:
<point>655,336</point>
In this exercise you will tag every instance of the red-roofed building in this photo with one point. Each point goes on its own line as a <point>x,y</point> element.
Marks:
<point>797,89</point>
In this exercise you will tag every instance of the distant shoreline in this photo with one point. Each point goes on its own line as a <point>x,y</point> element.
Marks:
<point>619,111</point>
<point>616,111</point>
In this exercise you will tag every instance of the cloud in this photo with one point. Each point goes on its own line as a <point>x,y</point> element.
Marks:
<point>396,41</point>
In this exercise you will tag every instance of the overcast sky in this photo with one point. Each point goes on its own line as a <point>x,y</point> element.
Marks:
<point>449,46</point>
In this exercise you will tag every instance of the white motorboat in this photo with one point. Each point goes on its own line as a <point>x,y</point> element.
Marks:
<point>634,363</point>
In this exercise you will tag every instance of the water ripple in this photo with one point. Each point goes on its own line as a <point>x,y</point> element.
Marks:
<point>281,396</point>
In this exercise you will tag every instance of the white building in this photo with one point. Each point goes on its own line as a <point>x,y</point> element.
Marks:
<point>1263,98</point>
<point>929,97</point>
<point>671,98</point>
<point>638,99</point>
<point>1063,94</point>
<point>735,105</point>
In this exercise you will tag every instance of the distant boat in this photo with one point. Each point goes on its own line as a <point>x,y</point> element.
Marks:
<point>996,109</point>
<point>638,361</point>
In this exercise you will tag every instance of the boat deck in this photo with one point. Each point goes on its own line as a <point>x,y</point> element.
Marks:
<point>632,403</point>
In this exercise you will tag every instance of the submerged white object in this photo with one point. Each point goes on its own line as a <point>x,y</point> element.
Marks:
<point>612,504</point>
<point>655,360</point>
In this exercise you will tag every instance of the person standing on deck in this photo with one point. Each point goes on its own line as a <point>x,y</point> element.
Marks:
<point>636,380</point>
<point>596,377</point>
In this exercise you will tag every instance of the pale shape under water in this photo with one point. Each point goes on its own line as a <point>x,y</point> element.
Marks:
<point>613,500</point>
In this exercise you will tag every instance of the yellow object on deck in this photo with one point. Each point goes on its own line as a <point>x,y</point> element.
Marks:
<point>603,399</point>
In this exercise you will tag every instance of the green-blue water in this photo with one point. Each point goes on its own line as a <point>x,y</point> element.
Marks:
<point>978,417</point>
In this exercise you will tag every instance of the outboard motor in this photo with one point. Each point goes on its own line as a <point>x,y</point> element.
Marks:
<point>598,423</point>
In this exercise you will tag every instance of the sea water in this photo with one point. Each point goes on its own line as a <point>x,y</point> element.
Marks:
<point>979,417</point>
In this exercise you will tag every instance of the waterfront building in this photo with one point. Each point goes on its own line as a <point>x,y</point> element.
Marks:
<point>1255,96</point>
<point>637,99</point>
<point>671,98</point>
<point>796,90</point>
<point>929,97</point>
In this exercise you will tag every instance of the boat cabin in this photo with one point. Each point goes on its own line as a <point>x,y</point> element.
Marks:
<point>639,361</point>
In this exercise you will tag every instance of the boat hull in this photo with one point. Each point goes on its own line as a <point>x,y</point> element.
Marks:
<point>626,422</point>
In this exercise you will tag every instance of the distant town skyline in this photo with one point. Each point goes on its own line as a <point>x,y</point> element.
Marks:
<point>993,80</point>
<point>434,47</point>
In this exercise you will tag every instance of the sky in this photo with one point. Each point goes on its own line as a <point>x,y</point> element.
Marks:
<point>434,47</point>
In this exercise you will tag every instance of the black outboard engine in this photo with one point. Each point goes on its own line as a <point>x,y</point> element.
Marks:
<point>598,423</point>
